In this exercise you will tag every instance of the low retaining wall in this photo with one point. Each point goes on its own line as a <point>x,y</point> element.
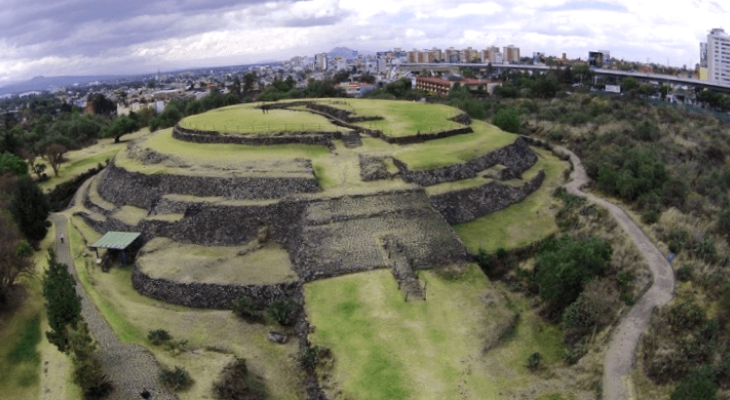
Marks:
<point>465,205</point>
<point>323,138</point>
<point>342,115</point>
<point>210,295</point>
<point>516,156</point>
<point>420,137</point>
<point>123,187</point>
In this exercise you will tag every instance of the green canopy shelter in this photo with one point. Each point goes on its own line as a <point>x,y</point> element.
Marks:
<point>115,241</point>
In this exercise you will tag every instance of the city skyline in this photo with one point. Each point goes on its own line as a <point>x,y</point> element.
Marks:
<point>83,37</point>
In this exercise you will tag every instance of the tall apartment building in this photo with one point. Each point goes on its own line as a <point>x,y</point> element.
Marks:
<point>511,54</point>
<point>718,56</point>
<point>321,61</point>
<point>491,55</point>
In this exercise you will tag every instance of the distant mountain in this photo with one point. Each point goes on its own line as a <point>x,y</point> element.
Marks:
<point>343,52</point>
<point>46,83</point>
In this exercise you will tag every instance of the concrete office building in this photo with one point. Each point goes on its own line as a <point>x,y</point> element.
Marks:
<point>718,56</point>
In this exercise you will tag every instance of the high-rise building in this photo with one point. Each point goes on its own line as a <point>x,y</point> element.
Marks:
<point>718,56</point>
<point>511,54</point>
<point>491,55</point>
<point>321,61</point>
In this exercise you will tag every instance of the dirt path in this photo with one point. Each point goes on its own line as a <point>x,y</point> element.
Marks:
<point>129,367</point>
<point>620,355</point>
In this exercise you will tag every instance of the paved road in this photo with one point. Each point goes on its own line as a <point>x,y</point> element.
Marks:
<point>620,356</point>
<point>129,367</point>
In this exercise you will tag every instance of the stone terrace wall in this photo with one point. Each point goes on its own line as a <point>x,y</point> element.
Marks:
<point>516,156</point>
<point>342,115</point>
<point>420,137</point>
<point>322,138</point>
<point>465,205</point>
<point>209,295</point>
<point>123,187</point>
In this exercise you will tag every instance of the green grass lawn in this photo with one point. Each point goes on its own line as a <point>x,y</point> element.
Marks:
<point>80,161</point>
<point>455,149</point>
<point>401,118</point>
<point>245,118</point>
<point>523,223</point>
<point>132,315</point>
<point>385,348</point>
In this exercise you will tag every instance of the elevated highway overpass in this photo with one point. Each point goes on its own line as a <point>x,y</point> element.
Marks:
<point>665,79</point>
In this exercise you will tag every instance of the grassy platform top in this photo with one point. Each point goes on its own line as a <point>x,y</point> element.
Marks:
<point>455,149</point>
<point>401,118</point>
<point>246,118</point>
<point>237,265</point>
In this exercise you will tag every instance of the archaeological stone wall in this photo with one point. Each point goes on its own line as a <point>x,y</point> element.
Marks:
<point>420,137</point>
<point>465,205</point>
<point>323,138</point>
<point>141,190</point>
<point>210,295</point>
<point>516,156</point>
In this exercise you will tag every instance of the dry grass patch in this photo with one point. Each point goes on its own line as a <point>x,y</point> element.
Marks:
<point>130,215</point>
<point>243,265</point>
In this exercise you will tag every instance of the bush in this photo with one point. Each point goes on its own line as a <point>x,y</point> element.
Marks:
<point>243,307</point>
<point>283,311</point>
<point>697,385</point>
<point>159,336</point>
<point>684,273</point>
<point>595,307</point>
<point>177,379</point>
<point>30,209</point>
<point>705,250</point>
<point>484,259</point>
<point>534,362</point>
<point>650,216</point>
<point>508,120</point>
<point>311,356</point>
<point>677,240</point>
<point>237,383</point>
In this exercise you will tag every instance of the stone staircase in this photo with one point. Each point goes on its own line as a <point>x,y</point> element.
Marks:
<point>402,270</point>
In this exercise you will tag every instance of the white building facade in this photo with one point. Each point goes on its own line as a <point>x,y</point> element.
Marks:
<point>718,56</point>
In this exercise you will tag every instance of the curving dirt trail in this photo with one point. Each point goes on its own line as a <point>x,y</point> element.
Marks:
<point>620,355</point>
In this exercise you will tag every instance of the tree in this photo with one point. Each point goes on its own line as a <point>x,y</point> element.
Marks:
<point>11,163</point>
<point>236,87</point>
<point>508,120</point>
<point>563,266</point>
<point>121,126</point>
<point>53,153</point>
<point>37,168</point>
<point>248,81</point>
<point>88,373</point>
<point>15,257</point>
<point>63,305</point>
<point>100,104</point>
<point>30,208</point>
<point>629,84</point>
<point>697,385</point>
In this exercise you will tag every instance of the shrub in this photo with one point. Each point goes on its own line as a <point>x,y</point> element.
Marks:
<point>684,273</point>
<point>243,307</point>
<point>573,354</point>
<point>534,362</point>
<point>677,240</point>
<point>484,259</point>
<point>723,221</point>
<point>237,383</point>
<point>650,216</point>
<point>596,306</point>
<point>699,384</point>
<point>159,336</point>
<point>311,356</point>
<point>283,311</point>
<point>705,250</point>
<point>175,379</point>
<point>508,120</point>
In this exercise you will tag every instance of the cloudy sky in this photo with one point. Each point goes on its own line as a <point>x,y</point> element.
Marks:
<point>90,37</point>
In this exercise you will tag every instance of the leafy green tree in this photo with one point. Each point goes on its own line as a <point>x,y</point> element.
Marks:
<point>11,163</point>
<point>697,385</point>
<point>63,305</point>
<point>15,257</point>
<point>87,372</point>
<point>30,208</point>
<point>121,126</point>
<point>629,84</point>
<point>565,265</point>
<point>508,120</point>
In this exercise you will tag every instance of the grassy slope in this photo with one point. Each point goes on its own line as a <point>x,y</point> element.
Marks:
<point>401,118</point>
<point>131,315</point>
<point>511,227</point>
<point>456,149</point>
<point>385,348</point>
<point>80,161</point>
<point>246,118</point>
